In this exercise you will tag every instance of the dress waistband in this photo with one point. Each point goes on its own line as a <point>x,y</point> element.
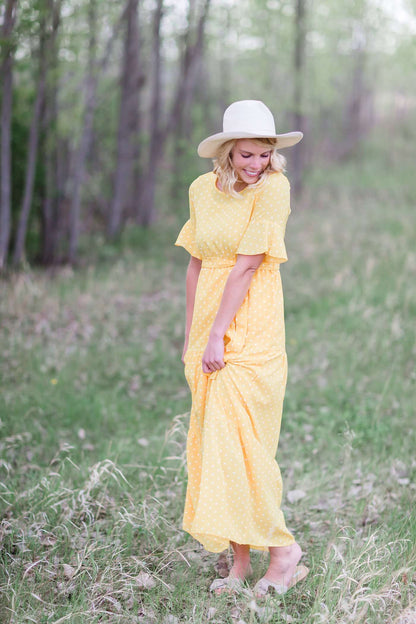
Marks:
<point>217,263</point>
<point>223,263</point>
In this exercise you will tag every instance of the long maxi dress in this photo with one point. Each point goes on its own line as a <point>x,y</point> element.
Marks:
<point>234,484</point>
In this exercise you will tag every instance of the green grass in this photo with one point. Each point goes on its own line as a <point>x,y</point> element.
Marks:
<point>94,416</point>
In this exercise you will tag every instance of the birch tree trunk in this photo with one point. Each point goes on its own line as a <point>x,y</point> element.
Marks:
<point>354,127</point>
<point>86,134</point>
<point>180,125</point>
<point>128,125</point>
<point>49,222</point>
<point>145,213</point>
<point>19,247</point>
<point>299,80</point>
<point>187,80</point>
<point>6,120</point>
<point>95,67</point>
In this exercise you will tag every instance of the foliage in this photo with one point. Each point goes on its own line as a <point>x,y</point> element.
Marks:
<point>358,75</point>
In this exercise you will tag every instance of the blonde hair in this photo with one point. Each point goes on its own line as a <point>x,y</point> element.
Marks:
<point>223,165</point>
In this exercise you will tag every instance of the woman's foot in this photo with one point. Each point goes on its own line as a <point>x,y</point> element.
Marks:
<point>241,561</point>
<point>240,569</point>
<point>282,568</point>
<point>262,587</point>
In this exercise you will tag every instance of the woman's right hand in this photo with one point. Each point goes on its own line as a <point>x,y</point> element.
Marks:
<point>213,357</point>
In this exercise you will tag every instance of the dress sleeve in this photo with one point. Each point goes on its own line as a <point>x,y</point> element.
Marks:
<point>266,229</point>
<point>186,238</point>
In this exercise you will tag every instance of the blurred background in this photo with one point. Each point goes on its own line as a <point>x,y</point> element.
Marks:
<point>103,104</point>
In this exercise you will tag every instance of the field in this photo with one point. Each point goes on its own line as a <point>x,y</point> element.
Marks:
<point>94,410</point>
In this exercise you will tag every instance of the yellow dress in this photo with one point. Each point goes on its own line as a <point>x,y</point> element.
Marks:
<point>234,484</point>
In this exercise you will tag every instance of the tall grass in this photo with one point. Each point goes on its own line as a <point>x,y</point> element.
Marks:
<point>94,416</point>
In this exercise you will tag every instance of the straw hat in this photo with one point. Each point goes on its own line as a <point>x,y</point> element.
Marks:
<point>246,119</point>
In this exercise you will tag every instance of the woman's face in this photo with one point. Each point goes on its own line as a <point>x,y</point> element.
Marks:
<point>249,160</point>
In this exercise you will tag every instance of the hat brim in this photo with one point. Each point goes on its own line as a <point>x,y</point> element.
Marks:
<point>208,148</point>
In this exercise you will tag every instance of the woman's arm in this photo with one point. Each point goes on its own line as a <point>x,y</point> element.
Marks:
<point>235,290</point>
<point>192,275</point>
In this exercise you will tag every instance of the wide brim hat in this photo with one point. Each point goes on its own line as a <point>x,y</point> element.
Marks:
<point>247,119</point>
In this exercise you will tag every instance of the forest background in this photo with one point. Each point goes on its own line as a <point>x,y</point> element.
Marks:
<point>103,105</point>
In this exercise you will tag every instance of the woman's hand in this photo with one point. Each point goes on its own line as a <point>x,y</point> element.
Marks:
<point>213,358</point>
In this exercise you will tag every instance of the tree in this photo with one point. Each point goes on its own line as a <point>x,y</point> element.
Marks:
<point>90,89</point>
<point>187,80</point>
<point>50,204</point>
<point>128,125</point>
<point>179,124</point>
<point>94,68</point>
<point>145,213</point>
<point>7,52</point>
<point>298,95</point>
<point>32,145</point>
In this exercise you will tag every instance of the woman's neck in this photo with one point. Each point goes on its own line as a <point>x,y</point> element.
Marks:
<point>240,186</point>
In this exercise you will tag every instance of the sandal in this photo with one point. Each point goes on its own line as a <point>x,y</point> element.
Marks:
<point>261,589</point>
<point>229,584</point>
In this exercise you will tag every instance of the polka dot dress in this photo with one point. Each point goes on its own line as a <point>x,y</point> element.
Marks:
<point>234,484</point>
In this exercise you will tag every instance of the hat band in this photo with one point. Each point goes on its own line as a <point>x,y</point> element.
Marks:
<point>252,130</point>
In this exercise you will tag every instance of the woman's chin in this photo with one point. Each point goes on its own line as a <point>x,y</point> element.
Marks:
<point>247,179</point>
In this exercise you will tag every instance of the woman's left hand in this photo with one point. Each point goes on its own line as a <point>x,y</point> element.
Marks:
<point>213,358</point>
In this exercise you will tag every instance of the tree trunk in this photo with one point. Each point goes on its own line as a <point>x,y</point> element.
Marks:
<point>187,80</point>
<point>19,247</point>
<point>6,120</point>
<point>128,126</point>
<point>145,213</point>
<point>91,101</point>
<point>86,134</point>
<point>299,79</point>
<point>49,222</point>
<point>194,72</point>
<point>355,105</point>
<point>180,125</point>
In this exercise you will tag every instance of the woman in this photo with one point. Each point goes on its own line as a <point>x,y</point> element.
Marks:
<point>234,352</point>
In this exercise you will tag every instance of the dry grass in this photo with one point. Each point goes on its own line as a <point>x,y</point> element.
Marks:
<point>93,457</point>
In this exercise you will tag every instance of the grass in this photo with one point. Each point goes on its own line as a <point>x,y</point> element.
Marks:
<point>94,410</point>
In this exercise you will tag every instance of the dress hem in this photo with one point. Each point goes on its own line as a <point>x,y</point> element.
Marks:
<point>286,541</point>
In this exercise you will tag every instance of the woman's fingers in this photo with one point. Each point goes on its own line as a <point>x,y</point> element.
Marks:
<point>213,357</point>
<point>207,367</point>
<point>211,366</point>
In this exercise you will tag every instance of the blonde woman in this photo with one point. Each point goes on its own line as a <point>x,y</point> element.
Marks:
<point>234,352</point>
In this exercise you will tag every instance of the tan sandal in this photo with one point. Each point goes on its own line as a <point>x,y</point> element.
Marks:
<point>261,588</point>
<point>229,584</point>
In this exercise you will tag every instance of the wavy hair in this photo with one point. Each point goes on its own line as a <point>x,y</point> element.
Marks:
<point>223,165</point>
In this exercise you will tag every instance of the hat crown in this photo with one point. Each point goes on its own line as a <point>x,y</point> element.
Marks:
<point>249,116</point>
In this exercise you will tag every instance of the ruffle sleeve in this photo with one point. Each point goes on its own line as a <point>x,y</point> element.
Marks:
<point>186,238</point>
<point>263,237</point>
<point>265,231</point>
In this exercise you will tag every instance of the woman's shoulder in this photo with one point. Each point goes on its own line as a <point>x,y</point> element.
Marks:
<point>202,182</point>
<point>276,181</point>
<point>273,197</point>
